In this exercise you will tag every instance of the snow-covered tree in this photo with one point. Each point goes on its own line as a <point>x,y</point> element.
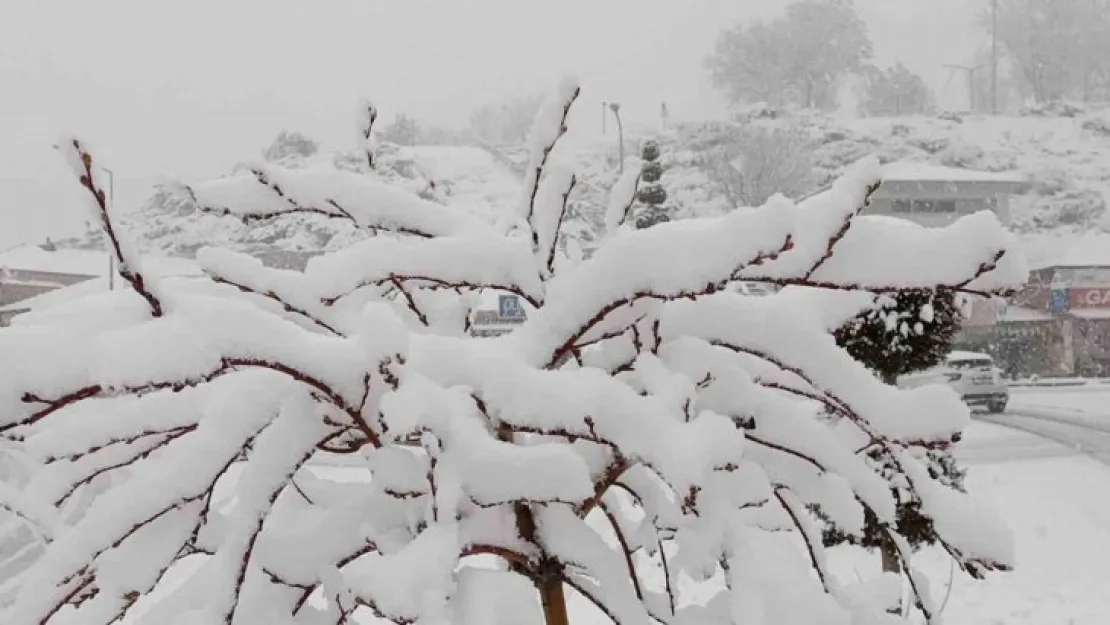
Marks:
<point>645,425</point>
<point>1059,49</point>
<point>749,163</point>
<point>894,90</point>
<point>505,122</point>
<point>290,143</point>
<point>904,332</point>
<point>651,192</point>
<point>791,59</point>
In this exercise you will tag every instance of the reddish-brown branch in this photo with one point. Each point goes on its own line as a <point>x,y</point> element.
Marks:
<point>838,236</point>
<point>367,131</point>
<point>558,226</point>
<point>539,167</point>
<point>227,365</point>
<point>248,552</point>
<point>667,576</point>
<point>80,587</point>
<point>430,282</point>
<point>626,550</point>
<point>285,305</point>
<point>814,560</point>
<point>170,437</point>
<point>177,504</point>
<point>595,600</point>
<point>626,210</point>
<point>569,344</point>
<point>509,555</point>
<point>125,266</point>
<point>608,478</point>
<point>959,287</point>
<point>409,301</point>
<point>307,589</point>
<point>128,440</point>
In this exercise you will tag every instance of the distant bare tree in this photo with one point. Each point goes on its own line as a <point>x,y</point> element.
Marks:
<point>506,122</point>
<point>751,163</point>
<point>403,130</point>
<point>1060,48</point>
<point>792,59</point>
<point>894,90</point>
<point>289,143</point>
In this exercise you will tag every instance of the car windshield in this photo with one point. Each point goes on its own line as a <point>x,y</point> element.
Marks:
<point>971,363</point>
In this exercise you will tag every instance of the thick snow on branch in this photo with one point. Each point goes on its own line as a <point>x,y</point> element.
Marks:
<point>269,191</point>
<point>301,448</point>
<point>547,188</point>
<point>366,115</point>
<point>621,198</point>
<point>100,205</point>
<point>471,262</point>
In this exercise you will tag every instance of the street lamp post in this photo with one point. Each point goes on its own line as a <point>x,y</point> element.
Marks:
<point>616,108</point>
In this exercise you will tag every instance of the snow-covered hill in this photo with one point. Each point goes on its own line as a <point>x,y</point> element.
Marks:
<point>1066,158</point>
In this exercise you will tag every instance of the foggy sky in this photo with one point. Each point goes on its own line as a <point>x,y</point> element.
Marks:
<point>188,88</point>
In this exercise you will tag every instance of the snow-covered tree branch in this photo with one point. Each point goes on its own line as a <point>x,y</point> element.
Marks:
<point>644,423</point>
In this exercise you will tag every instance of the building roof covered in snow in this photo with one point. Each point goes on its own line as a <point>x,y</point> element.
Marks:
<point>902,171</point>
<point>1090,250</point>
<point>88,262</point>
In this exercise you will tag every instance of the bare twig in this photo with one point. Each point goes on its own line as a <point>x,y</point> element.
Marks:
<point>127,267</point>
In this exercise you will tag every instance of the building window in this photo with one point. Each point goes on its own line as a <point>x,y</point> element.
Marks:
<point>924,206</point>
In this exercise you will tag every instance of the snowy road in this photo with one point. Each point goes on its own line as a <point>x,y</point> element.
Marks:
<point>1044,423</point>
<point>1088,439</point>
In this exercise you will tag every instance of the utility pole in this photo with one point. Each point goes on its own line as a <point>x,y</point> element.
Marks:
<point>994,57</point>
<point>970,82</point>
<point>604,115</point>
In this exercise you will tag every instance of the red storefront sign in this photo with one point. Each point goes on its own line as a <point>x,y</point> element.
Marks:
<point>1089,297</point>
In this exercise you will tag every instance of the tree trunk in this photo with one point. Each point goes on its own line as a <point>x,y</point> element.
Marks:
<point>891,564</point>
<point>553,600</point>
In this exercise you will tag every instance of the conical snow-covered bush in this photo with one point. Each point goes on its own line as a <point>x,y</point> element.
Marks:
<point>644,427</point>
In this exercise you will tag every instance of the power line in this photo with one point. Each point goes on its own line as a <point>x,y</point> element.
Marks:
<point>994,57</point>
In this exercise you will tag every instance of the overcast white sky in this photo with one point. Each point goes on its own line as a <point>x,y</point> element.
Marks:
<point>188,87</point>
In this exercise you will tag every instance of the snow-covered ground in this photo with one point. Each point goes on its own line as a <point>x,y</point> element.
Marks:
<point>1091,400</point>
<point>1054,502</point>
<point>1053,498</point>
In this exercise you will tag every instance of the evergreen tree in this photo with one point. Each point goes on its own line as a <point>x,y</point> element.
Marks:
<point>905,332</point>
<point>651,194</point>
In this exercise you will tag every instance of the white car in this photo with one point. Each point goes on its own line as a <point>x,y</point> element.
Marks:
<point>972,375</point>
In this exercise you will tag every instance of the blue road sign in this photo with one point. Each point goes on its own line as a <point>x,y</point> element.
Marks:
<point>1058,300</point>
<point>509,307</point>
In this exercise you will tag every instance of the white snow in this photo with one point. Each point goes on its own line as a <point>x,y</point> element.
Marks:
<point>923,172</point>
<point>88,262</point>
<point>640,393</point>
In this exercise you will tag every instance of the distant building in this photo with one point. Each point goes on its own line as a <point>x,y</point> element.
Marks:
<point>932,195</point>
<point>1059,324</point>
<point>33,277</point>
<point>32,270</point>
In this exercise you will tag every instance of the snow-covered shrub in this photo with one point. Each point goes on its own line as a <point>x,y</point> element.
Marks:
<point>645,425</point>
<point>651,192</point>
<point>751,163</point>
<point>1098,123</point>
<point>962,155</point>
<point>290,144</point>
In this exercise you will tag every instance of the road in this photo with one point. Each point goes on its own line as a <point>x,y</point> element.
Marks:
<point>1044,423</point>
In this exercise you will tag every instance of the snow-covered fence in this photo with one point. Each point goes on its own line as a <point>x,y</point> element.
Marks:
<point>644,424</point>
